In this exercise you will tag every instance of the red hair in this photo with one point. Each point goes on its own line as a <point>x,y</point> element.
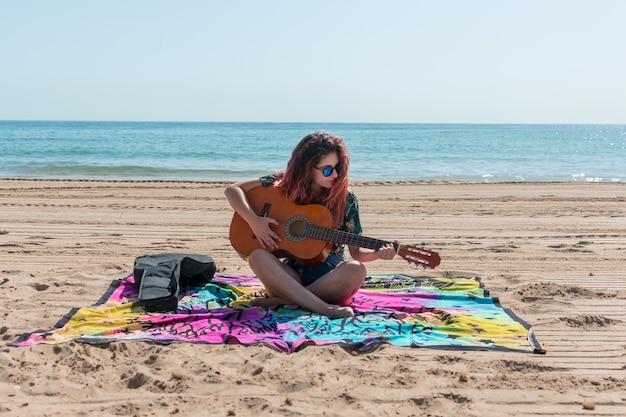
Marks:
<point>297,180</point>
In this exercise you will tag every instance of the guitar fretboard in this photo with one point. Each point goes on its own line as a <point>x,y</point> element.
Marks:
<point>341,237</point>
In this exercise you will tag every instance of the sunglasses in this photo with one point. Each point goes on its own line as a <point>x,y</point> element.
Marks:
<point>327,171</point>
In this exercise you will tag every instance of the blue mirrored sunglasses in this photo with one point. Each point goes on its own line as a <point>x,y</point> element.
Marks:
<point>327,171</point>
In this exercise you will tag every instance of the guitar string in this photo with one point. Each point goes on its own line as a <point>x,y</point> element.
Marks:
<point>338,236</point>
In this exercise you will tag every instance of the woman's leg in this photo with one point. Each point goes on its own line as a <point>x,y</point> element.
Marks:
<point>282,283</point>
<point>339,285</point>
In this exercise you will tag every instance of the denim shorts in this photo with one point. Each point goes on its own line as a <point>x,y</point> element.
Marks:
<point>309,274</point>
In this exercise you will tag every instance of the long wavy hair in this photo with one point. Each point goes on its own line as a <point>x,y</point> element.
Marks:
<point>297,180</point>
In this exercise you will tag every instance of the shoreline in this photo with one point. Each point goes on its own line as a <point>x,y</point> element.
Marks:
<point>352,182</point>
<point>552,253</point>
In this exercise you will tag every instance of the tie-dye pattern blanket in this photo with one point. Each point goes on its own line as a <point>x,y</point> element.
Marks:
<point>396,309</point>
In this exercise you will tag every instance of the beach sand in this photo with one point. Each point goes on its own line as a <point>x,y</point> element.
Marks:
<point>553,253</point>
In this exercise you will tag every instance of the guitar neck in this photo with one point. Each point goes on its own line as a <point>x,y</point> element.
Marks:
<point>345,238</point>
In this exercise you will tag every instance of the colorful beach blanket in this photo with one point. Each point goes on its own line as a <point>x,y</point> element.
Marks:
<point>397,309</point>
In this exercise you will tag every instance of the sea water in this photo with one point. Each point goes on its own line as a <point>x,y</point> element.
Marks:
<point>232,151</point>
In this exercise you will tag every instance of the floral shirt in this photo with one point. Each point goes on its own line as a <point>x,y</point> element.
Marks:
<point>351,221</point>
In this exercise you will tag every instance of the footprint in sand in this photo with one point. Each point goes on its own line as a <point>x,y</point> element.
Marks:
<point>548,291</point>
<point>577,247</point>
<point>4,334</point>
<point>138,380</point>
<point>40,287</point>
<point>587,322</point>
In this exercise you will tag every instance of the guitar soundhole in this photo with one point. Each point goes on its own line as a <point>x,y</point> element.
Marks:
<point>296,227</point>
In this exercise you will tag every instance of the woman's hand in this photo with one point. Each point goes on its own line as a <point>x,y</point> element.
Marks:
<point>261,227</point>
<point>387,252</point>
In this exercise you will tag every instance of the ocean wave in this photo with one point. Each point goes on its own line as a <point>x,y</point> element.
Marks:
<point>123,172</point>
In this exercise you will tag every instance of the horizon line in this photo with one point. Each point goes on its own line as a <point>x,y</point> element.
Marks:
<point>308,122</point>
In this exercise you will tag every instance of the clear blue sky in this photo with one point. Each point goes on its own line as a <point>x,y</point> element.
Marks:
<point>496,61</point>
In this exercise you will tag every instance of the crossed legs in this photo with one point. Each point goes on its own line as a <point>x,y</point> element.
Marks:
<point>328,295</point>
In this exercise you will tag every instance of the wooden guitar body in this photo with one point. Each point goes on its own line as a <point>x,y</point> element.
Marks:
<point>294,220</point>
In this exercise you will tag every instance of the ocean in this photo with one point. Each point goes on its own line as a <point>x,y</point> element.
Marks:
<point>382,152</point>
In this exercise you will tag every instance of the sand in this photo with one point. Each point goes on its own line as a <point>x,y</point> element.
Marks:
<point>554,253</point>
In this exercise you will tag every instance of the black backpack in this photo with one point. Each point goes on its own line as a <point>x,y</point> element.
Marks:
<point>160,278</point>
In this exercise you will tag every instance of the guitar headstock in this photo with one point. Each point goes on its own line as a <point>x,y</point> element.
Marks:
<point>419,256</point>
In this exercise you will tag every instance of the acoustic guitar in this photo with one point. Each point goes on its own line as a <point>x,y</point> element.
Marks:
<point>307,231</point>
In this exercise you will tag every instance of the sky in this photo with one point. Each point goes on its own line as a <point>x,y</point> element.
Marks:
<point>387,61</point>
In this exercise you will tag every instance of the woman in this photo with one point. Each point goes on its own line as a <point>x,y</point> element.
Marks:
<point>316,173</point>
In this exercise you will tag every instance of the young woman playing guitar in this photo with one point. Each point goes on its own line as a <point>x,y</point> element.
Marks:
<point>316,174</point>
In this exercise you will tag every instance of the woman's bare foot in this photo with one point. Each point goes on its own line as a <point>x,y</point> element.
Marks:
<point>339,312</point>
